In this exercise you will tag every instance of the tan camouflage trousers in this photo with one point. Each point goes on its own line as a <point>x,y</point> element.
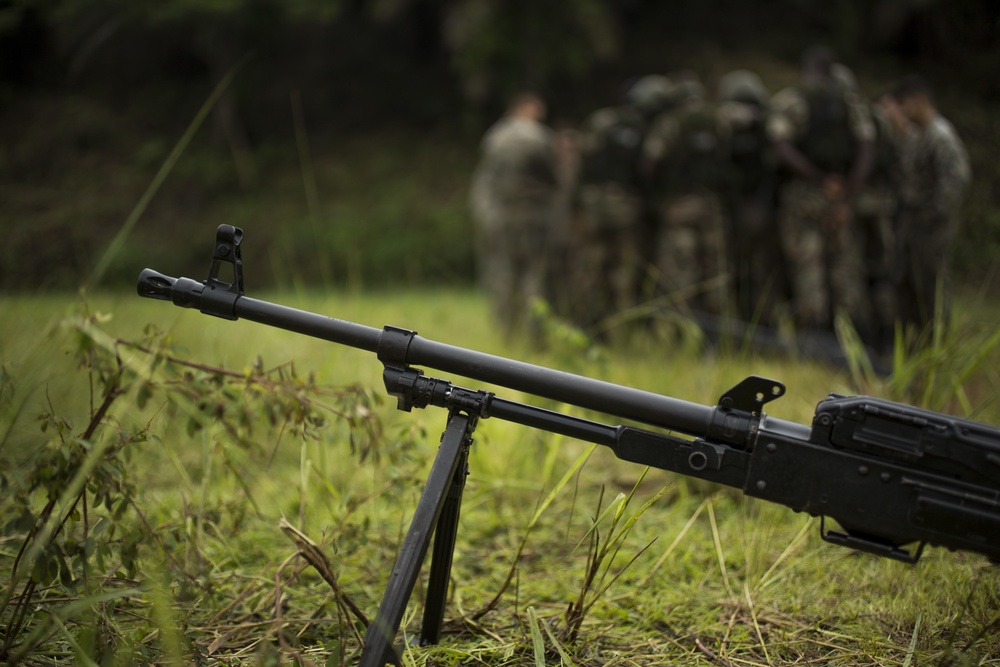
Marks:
<point>826,266</point>
<point>691,253</point>
<point>512,249</point>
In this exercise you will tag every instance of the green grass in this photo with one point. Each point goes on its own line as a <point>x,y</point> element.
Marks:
<point>703,576</point>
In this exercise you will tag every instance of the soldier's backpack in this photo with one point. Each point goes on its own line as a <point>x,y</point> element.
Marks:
<point>697,161</point>
<point>748,150</point>
<point>611,142</point>
<point>828,140</point>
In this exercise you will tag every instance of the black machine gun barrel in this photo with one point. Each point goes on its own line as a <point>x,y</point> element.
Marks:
<point>894,477</point>
<point>413,350</point>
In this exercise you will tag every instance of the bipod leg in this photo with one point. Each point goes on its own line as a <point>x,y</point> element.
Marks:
<point>444,551</point>
<point>451,457</point>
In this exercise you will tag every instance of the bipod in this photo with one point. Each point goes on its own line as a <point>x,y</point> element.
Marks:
<point>436,515</point>
<point>438,508</point>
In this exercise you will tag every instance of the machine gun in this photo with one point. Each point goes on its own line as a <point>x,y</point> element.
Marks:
<point>891,475</point>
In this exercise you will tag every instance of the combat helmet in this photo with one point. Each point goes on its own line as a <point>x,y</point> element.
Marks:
<point>742,85</point>
<point>843,76</point>
<point>687,90</point>
<point>651,94</point>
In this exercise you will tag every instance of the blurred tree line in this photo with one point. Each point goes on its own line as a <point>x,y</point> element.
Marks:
<point>97,89</point>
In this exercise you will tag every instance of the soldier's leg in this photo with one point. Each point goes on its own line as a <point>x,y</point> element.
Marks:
<point>800,223</point>
<point>768,287</point>
<point>626,272</point>
<point>766,294</point>
<point>623,249</point>
<point>906,274</point>
<point>739,226</point>
<point>648,233</point>
<point>500,277</point>
<point>881,267</point>
<point>531,268</point>
<point>597,302</point>
<point>712,260</point>
<point>678,250</point>
<point>593,288</point>
<point>931,254</point>
<point>848,277</point>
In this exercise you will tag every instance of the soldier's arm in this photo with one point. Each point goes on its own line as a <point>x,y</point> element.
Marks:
<point>799,163</point>
<point>844,192</point>
<point>543,169</point>
<point>863,127</point>
<point>541,162</point>
<point>788,111</point>
<point>861,169</point>
<point>953,175</point>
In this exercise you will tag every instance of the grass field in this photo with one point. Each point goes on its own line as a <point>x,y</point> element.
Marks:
<point>144,522</point>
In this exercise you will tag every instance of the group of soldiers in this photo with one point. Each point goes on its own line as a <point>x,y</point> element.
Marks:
<point>800,208</point>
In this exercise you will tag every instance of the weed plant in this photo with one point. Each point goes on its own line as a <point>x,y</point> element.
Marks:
<point>949,366</point>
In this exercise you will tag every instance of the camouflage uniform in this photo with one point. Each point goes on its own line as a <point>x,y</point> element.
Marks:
<point>826,123</point>
<point>607,206</point>
<point>683,154</point>
<point>514,201</point>
<point>755,258</point>
<point>936,174</point>
<point>875,210</point>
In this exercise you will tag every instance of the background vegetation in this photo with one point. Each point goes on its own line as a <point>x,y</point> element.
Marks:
<point>349,127</point>
<point>176,489</point>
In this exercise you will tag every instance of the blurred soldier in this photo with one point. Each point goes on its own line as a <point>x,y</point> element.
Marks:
<point>561,266</point>
<point>878,207</point>
<point>904,139</point>
<point>755,257</point>
<point>875,209</point>
<point>904,136</point>
<point>824,135</point>
<point>514,201</point>
<point>933,189</point>
<point>682,156</point>
<point>608,204</point>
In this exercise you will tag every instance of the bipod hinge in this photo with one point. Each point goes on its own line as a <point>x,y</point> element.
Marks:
<point>413,389</point>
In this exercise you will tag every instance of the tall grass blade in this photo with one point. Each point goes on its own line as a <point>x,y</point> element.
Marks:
<point>537,643</point>
<point>310,184</point>
<point>756,624</point>
<point>154,186</point>
<point>563,481</point>
<point>913,641</point>
<point>766,578</point>
<point>677,540</point>
<point>567,660</point>
<point>718,548</point>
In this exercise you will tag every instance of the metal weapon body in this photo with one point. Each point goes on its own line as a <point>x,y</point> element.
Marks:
<point>891,475</point>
